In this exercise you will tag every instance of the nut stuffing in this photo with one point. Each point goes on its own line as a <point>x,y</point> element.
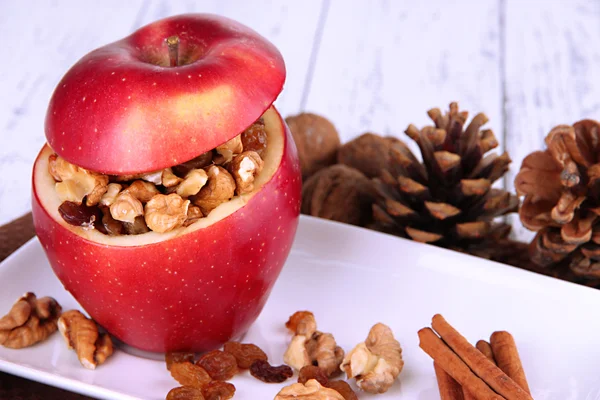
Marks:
<point>163,200</point>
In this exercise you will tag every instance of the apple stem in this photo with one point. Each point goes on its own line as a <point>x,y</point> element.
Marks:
<point>173,43</point>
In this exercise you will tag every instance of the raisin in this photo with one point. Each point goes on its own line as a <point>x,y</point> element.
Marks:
<point>136,227</point>
<point>255,138</point>
<point>201,161</point>
<point>245,354</point>
<point>110,226</point>
<point>342,388</point>
<point>262,370</point>
<point>220,366</point>
<point>217,390</point>
<point>312,372</point>
<point>80,214</point>
<point>176,356</point>
<point>185,393</point>
<point>189,374</point>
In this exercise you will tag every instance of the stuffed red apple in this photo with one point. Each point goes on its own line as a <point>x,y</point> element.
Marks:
<point>167,197</point>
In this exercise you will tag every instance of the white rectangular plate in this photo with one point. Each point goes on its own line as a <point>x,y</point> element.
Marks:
<point>352,278</point>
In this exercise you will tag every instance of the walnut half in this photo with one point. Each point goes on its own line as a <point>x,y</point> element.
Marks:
<point>81,334</point>
<point>311,390</point>
<point>219,189</point>
<point>163,213</point>
<point>375,363</point>
<point>244,169</point>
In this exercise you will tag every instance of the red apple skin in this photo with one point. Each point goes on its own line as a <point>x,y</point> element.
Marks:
<point>124,97</point>
<point>193,292</point>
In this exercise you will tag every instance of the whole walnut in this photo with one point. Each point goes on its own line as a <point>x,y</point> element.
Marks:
<point>369,153</point>
<point>317,141</point>
<point>339,193</point>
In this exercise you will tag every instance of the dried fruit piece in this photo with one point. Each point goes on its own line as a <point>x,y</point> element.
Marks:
<point>377,362</point>
<point>219,189</point>
<point>163,213</point>
<point>203,160</point>
<point>312,372</point>
<point>81,334</point>
<point>342,388</point>
<point>311,390</point>
<point>221,366</point>
<point>80,214</point>
<point>302,323</point>
<point>245,353</point>
<point>265,372</point>
<point>137,227</point>
<point>126,207</point>
<point>110,225</point>
<point>188,374</point>
<point>185,393</point>
<point>218,390</point>
<point>255,138</point>
<point>177,356</point>
<point>244,169</point>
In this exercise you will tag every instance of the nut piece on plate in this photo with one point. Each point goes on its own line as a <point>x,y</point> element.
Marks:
<point>112,191</point>
<point>126,207</point>
<point>309,346</point>
<point>219,189</point>
<point>227,150</point>
<point>244,168</point>
<point>311,390</point>
<point>339,193</point>
<point>142,190</point>
<point>81,334</point>
<point>192,183</point>
<point>29,321</point>
<point>375,363</point>
<point>317,141</point>
<point>163,213</point>
<point>75,183</point>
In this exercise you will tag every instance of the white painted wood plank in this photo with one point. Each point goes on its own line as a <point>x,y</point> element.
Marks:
<point>289,25</point>
<point>552,71</point>
<point>382,65</point>
<point>50,36</point>
<point>41,40</point>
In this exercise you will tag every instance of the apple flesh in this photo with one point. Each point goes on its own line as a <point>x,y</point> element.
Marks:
<point>190,289</point>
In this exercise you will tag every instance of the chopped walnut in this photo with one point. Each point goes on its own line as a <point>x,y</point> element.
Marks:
<point>75,183</point>
<point>296,355</point>
<point>169,179</point>
<point>110,196</point>
<point>244,169</point>
<point>126,207</point>
<point>309,346</point>
<point>192,183</point>
<point>81,334</point>
<point>163,213</point>
<point>311,390</point>
<point>29,321</point>
<point>219,189</point>
<point>227,150</point>
<point>152,177</point>
<point>255,138</point>
<point>142,190</point>
<point>375,363</point>
<point>193,214</point>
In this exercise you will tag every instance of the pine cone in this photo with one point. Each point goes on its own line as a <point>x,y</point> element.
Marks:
<point>447,199</point>
<point>561,186</point>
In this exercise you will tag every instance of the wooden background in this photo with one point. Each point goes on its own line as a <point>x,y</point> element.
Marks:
<point>367,65</point>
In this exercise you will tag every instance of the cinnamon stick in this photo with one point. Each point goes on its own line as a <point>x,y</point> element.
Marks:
<point>485,348</point>
<point>506,354</point>
<point>448,387</point>
<point>454,366</point>
<point>480,364</point>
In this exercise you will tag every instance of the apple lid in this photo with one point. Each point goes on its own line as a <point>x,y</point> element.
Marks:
<point>123,109</point>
